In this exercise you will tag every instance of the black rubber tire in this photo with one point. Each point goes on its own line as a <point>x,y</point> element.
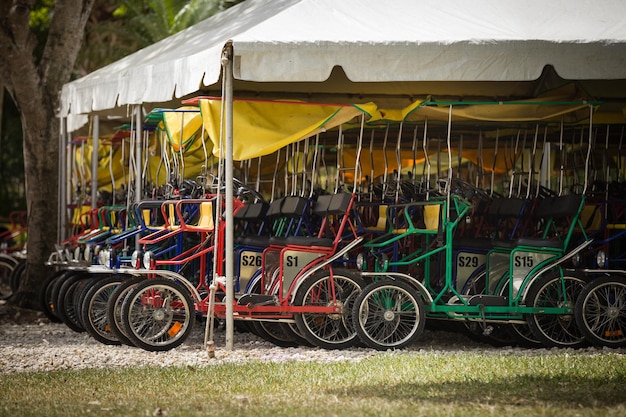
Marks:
<point>6,270</point>
<point>94,310</point>
<point>158,314</point>
<point>49,292</point>
<point>274,332</point>
<point>114,308</point>
<point>601,311</point>
<point>66,309</point>
<point>495,334</point>
<point>294,332</point>
<point>329,331</point>
<point>550,329</point>
<point>16,275</point>
<point>389,314</point>
<point>56,288</point>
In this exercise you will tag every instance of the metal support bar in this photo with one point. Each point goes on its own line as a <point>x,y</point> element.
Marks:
<point>62,216</point>
<point>94,161</point>
<point>227,67</point>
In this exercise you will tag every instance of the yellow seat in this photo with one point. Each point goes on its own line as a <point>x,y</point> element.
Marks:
<point>205,221</point>
<point>431,216</point>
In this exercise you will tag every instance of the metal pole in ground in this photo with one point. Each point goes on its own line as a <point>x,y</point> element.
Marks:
<point>227,63</point>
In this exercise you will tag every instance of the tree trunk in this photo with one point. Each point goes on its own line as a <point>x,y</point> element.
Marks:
<point>34,83</point>
<point>41,154</point>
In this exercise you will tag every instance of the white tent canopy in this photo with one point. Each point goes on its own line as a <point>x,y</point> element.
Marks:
<point>292,41</point>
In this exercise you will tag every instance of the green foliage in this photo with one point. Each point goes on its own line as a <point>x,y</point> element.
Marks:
<point>116,29</point>
<point>41,14</point>
<point>127,27</point>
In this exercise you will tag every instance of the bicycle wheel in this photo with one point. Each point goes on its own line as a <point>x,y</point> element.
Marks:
<point>292,330</point>
<point>158,314</point>
<point>492,333</point>
<point>94,310</point>
<point>16,275</point>
<point>389,314</point>
<point>114,308</point>
<point>275,333</point>
<point>601,311</point>
<point>556,330</point>
<point>335,330</point>
<point>6,269</point>
<point>65,308</point>
<point>45,295</point>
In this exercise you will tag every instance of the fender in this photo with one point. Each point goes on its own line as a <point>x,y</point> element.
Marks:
<point>321,265</point>
<point>398,275</point>
<point>564,258</point>
<point>171,275</point>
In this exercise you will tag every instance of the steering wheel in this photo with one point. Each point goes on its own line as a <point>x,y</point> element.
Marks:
<point>468,190</point>
<point>246,193</point>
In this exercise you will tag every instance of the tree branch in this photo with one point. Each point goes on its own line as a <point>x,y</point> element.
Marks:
<point>18,45</point>
<point>14,35</point>
<point>64,42</point>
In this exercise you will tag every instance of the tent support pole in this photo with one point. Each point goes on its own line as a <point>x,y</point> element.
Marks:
<point>138,165</point>
<point>227,63</point>
<point>62,187</point>
<point>94,161</point>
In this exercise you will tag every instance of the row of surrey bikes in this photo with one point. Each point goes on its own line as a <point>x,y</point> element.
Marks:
<point>336,270</point>
<point>13,239</point>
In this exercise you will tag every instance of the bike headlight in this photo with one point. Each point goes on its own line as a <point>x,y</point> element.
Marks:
<point>148,260</point>
<point>87,253</point>
<point>601,260</point>
<point>136,259</point>
<point>104,257</point>
<point>108,258</point>
<point>383,262</point>
<point>361,261</point>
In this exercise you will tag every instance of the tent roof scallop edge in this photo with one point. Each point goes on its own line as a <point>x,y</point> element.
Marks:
<point>303,40</point>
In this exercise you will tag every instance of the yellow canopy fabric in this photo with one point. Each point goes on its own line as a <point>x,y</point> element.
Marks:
<point>567,101</point>
<point>262,127</point>
<point>110,162</point>
<point>182,126</point>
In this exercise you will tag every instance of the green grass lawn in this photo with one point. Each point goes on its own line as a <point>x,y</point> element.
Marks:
<point>388,384</point>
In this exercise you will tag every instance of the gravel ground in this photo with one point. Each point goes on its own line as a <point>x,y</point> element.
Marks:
<point>30,342</point>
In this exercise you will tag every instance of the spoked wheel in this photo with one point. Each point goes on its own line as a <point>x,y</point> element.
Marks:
<point>494,334</point>
<point>65,307</point>
<point>94,310</point>
<point>329,331</point>
<point>276,333</point>
<point>601,311</point>
<point>272,331</point>
<point>520,334</point>
<point>114,308</point>
<point>17,275</point>
<point>389,314</point>
<point>45,296</point>
<point>525,336</point>
<point>556,330</point>
<point>294,332</point>
<point>158,314</point>
<point>6,269</point>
